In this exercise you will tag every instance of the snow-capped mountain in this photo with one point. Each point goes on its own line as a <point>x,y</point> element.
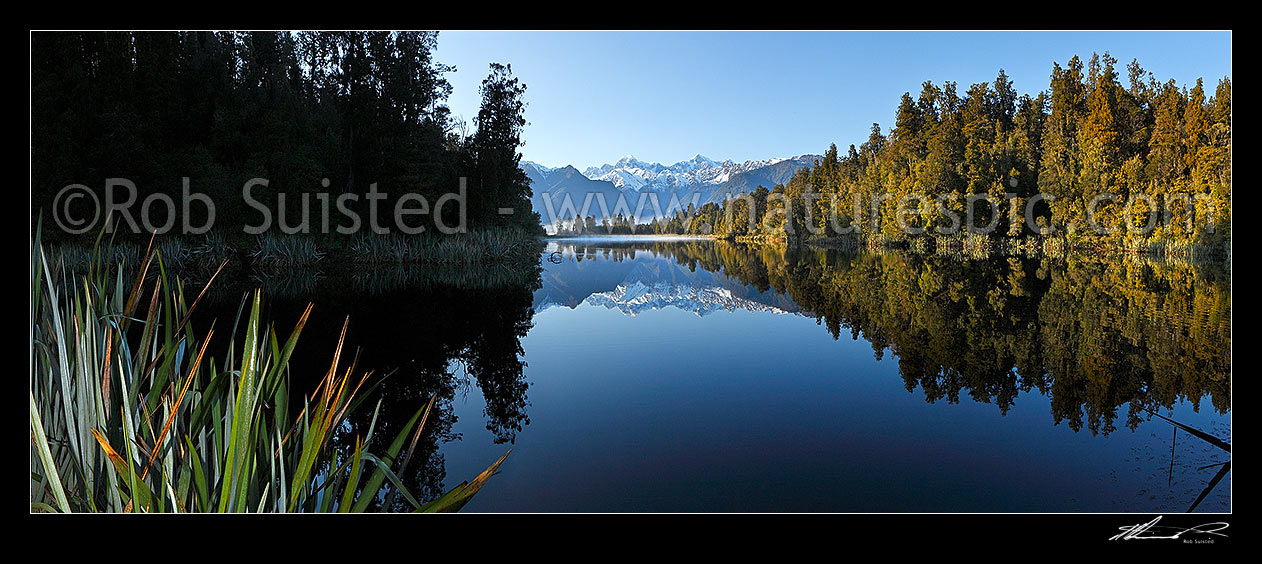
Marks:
<point>534,170</point>
<point>685,176</point>
<point>697,180</point>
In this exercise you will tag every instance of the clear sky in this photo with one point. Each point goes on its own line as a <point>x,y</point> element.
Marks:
<point>594,97</point>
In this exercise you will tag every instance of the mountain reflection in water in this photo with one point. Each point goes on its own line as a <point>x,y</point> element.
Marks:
<point>709,376</point>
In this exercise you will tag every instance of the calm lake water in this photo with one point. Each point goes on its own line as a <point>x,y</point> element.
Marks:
<point>700,376</point>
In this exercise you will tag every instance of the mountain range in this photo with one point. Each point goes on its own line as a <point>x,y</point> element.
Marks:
<point>562,191</point>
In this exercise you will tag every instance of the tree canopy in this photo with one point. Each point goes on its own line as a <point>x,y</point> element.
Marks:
<point>311,111</point>
<point>1084,136</point>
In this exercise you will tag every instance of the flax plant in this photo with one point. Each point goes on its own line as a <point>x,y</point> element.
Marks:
<point>132,410</point>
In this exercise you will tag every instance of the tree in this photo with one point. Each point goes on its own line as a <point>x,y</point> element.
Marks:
<point>500,182</point>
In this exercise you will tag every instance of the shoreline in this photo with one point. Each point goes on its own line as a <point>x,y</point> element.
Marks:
<point>507,246</point>
<point>630,237</point>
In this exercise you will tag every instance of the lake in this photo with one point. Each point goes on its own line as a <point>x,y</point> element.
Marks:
<point>705,376</point>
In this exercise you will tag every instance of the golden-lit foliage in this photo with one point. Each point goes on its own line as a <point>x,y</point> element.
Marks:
<point>1092,334</point>
<point>1147,150</point>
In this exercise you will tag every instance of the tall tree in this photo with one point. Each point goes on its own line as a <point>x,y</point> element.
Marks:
<point>500,182</point>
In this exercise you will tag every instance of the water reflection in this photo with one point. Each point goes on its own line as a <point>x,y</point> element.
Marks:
<point>423,332</point>
<point>1095,336</point>
<point>1107,342</point>
<point>632,279</point>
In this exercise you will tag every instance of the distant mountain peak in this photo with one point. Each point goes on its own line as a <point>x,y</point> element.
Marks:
<point>545,170</point>
<point>700,177</point>
<point>697,173</point>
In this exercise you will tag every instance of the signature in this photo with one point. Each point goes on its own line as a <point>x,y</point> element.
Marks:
<point>1151,530</point>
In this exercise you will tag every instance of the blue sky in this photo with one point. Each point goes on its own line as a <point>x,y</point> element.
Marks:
<point>665,96</point>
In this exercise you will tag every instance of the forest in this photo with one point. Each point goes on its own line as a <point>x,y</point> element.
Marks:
<point>310,112</point>
<point>1156,150</point>
<point>1093,158</point>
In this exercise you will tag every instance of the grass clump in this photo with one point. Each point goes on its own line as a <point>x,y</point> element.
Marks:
<point>278,252</point>
<point>132,411</point>
<point>488,247</point>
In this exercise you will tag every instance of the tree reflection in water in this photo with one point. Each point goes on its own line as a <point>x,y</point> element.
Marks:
<point>1093,335</point>
<point>422,332</point>
<point>1098,337</point>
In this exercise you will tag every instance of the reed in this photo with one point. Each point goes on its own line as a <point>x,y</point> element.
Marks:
<point>131,410</point>
<point>211,250</point>
<point>281,252</point>
<point>477,247</point>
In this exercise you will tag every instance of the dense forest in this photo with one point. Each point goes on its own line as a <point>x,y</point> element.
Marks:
<point>1086,135</point>
<point>332,112</point>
